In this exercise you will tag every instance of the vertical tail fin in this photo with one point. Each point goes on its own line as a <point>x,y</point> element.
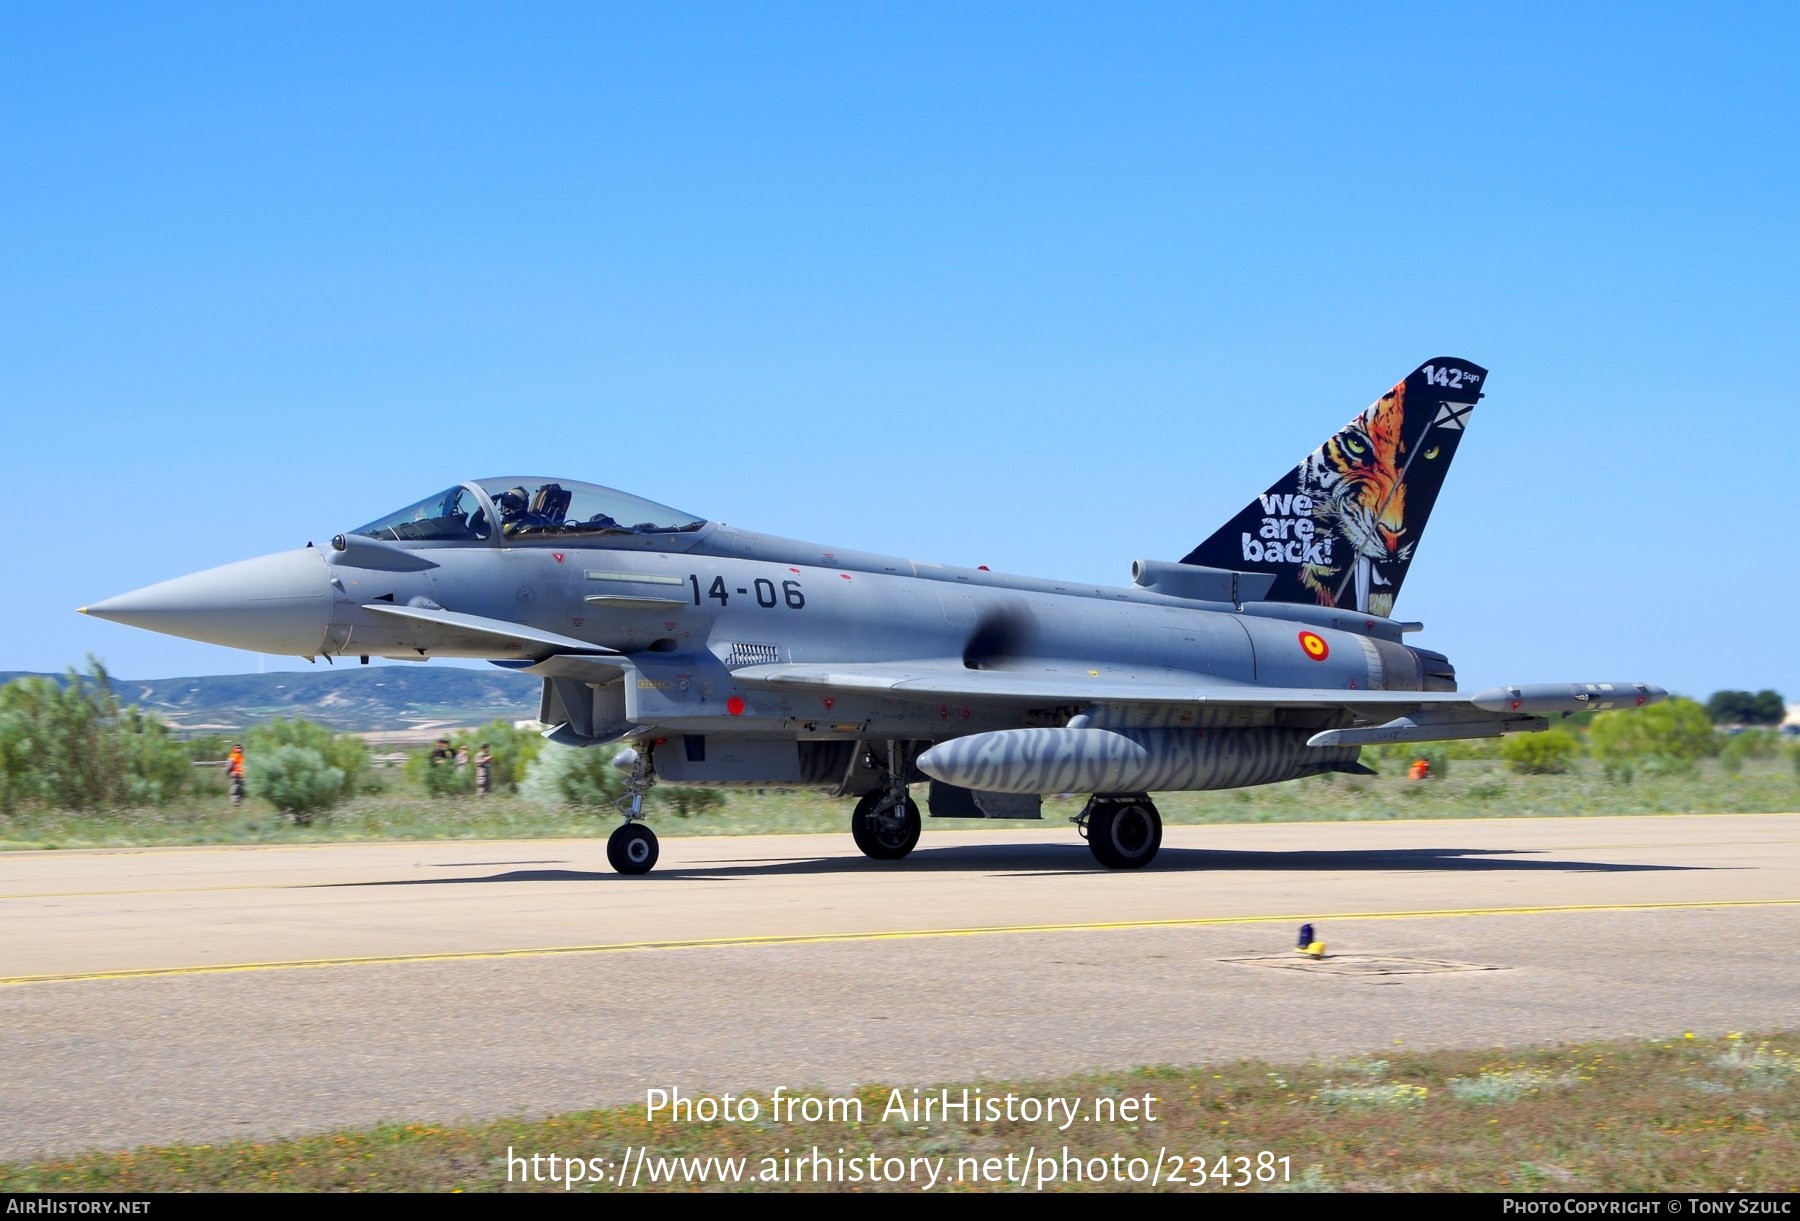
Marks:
<point>1341,528</point>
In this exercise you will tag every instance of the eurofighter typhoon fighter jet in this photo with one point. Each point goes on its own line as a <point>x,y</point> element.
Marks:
<point>717,656</point>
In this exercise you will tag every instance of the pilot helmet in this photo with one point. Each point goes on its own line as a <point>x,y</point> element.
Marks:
<point>513,500</point>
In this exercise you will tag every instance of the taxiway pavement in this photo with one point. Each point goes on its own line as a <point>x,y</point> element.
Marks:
<point>205,994</point>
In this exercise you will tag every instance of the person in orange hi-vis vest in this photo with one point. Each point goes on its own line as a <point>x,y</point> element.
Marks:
<point>234,772</point>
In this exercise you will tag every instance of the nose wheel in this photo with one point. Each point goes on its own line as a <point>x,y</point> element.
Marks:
<point>632,848</point>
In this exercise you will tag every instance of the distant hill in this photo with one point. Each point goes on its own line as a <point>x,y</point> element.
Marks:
<point>396,700</point>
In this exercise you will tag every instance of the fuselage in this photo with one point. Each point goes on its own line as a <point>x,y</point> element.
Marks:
<point>724,590</point>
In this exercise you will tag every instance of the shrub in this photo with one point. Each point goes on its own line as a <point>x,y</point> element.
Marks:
<point>1674,729</point>
<point>438,776</point>
<point>206,755</point>
<point>71,744</point>
<point>346,752</point>
<point>442,779</point>
<point>1373,1095</point>
<point>1511,1086</point>
<point>574,775</point>
<point>296,780</point>
<point>513,751</point>
<point>15,766</point>
<point>1549,753</point>
<point>1752,744</point>
<point>155,765</point>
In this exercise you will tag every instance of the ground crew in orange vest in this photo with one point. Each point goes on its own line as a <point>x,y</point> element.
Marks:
<point>234,771</point>
<point>1421,770</point>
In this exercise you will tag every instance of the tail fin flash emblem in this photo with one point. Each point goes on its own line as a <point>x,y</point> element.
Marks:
<point>1453,415</point>
<point>1341,528</point>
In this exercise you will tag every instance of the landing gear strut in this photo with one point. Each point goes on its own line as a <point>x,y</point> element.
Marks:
<point>886,822</point>
<point>1122,832</point>
<point>632,848</point>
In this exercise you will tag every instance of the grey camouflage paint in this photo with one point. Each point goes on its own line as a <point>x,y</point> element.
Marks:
<point>1111,761</point>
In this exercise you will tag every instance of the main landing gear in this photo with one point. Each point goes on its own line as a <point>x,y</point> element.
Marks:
<point>632,848</point>
<point>886,822</point>
<point>884,829</point>
<point>1122,832</point>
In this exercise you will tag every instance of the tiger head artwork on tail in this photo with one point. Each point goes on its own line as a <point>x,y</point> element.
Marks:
<point>1341,528</point>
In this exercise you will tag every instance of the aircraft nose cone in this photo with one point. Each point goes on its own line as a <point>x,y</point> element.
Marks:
<point>272,604</point>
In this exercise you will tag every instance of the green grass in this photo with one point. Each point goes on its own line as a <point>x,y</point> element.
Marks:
<point>1473,788</point>
<point>1620,1116</point>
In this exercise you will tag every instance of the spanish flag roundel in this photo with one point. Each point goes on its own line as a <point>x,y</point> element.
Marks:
<point>1314,646</point>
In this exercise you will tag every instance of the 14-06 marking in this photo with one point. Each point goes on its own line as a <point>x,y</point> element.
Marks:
<point>764,588</point>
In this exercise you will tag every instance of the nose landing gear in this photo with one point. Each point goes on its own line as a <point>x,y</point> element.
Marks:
<point>632,848</point>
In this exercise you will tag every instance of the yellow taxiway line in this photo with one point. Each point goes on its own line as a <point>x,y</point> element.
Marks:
<point>779,939</point>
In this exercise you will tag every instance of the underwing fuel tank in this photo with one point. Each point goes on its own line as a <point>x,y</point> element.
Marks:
<point>1089,760</point>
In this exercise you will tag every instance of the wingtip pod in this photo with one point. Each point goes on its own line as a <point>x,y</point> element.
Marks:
<point>1340,528</point>
<point>1541,698</point>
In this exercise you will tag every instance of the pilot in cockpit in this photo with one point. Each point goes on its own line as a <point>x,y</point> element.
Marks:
<point>513,503</point>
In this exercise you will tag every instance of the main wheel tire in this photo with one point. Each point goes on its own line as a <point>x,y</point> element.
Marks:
<point>1125,834</point>
<point>885,837</point>
<point>632,848</point>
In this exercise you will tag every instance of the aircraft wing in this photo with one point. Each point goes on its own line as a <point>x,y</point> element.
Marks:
<point>1382,716</point>
<point>1034,688</point>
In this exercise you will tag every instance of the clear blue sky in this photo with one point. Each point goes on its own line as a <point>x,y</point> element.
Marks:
<point>1046,287</point>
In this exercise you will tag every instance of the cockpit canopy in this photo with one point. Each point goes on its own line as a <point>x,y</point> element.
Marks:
<point>527,508</point>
